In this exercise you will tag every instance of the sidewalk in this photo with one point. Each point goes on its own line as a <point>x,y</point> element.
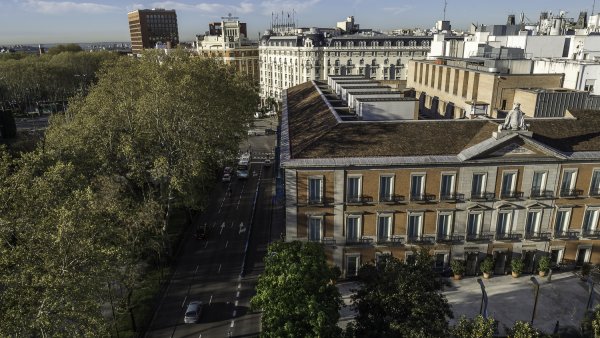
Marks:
<point>511,299</point>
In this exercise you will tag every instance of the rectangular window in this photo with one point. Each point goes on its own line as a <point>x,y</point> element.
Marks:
<point>386,188</point>
<point>474,223</point>
<point>478,186</point>
<point>444,225</point>
<point>447,186</point>
<point>567,184</point>
<point>417,186</point>
<point>538,184</point>
<point>415,224</point>
<point>509,181</point>
<point>503,224</point>
<point>532,225</point>
<point>590,221</point>
<point>595,184</point>
<point>315,229</point>
<point>352,264</point>
<point>352,229</point>
<point>561,223</point>
<point>315,190</point>
<point>353,189</point>
<point>384,228</point>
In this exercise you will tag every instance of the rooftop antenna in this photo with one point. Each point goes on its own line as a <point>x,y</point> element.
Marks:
<point>593,7</point>
<point>446,4</point>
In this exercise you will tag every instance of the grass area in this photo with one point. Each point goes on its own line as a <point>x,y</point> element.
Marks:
<point>144,297</point>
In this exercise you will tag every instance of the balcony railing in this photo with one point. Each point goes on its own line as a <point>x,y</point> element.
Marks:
<point>508,236</point>
<point>570,193</point>
<point>452,197</point>
<point>508,195</point>
<point>420,239</point>
<point>391,199</point>
<point>358,199</point>
<point>595,192</point>
<point>328,241</point>
<point>484,196</point>
<point>538,236</point>
<point>315,201</point>
<point>422,197</point>
<point>569,234</point>
<point>483,237</point>
<point>450,238</point>
<point>541,194</point>
<point>588,233</point>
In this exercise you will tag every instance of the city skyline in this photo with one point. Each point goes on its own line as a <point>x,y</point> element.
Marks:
<point>47,21</point>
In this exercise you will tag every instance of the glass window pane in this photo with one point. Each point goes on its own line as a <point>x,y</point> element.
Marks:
<point>532,222</point>
<point>447,185</point>
<point>385,188</point>
<point>595,186</point>
<point>416,187</point>
<point>507,183</point>
<point>352,224</point>
<point>478,181</point>
<point>537,184</point>
<point>473,223</point>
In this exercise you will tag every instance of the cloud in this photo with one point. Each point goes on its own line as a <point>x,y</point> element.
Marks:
<point>270,6</point>
<point>242,8</point>
<point>398,10</point>
<point>56,7</point>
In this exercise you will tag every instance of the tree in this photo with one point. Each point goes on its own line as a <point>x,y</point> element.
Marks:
<point>524,330</point>
<point>297,292</point>
<point>164,124</point>
<point>70,47</point>
<point>478,327</point>
<point>398,299</point>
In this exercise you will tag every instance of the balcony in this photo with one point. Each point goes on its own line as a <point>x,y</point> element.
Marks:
<point>365,241</point>
<point>538,236</point>
<point>420,240</point>
<point>511,195</point>
<point>315,201</point>
<point>482,237</point>
<point>588,233</point>
<point>452,197</point>
<point>422,198</point>
<point>541,194</point>
<point>391,199</point>
<point>484,196</point>
<point>571,193</point>
<point>328,241</point>
<point>450,238</point>
<point>508,237</point>
<point>595,193</point>
<point>569,234</point>
<point>358,199</point>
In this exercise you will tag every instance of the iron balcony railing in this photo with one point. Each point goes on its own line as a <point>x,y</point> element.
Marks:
<point>538,236</point>
<point>595,192</point>
<point>391,199</point>
<point>570,193</point>
<point>508,236</point>
<point>315,201</point>
<point>541,194</point>
<point>484,196</point>
<point>506,195</point>
<point>589,233</point>
<point>422,197</point>
<point>569,234</point>
<point>420,239</point>
<point>358,199</point>
<point>450,238</point>
<point>480,237</point>
<point>452,197</point>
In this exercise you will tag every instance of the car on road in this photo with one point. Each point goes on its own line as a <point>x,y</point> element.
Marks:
<point>227,173</point>
<point>193,312</point>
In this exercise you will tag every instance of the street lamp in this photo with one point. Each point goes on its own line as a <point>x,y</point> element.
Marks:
<point>536,286</point>
<point>590,302</point>
<point>484,299</point>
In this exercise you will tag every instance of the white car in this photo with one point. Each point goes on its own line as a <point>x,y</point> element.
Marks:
<point>227,173</point>
<point>193,312</point>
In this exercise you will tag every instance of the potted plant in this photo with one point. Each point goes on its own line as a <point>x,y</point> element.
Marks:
<point>543,265</point>
<point>487,267</point>
<point>517,265</point>
<point>458,268</point>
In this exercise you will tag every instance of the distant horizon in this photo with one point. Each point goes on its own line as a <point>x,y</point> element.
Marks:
<point>30,22</point>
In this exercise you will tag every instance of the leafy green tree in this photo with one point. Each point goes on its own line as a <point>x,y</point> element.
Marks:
<point>297,292</point>
<point>477,327</point>
<point>163,124</point>
<point>70,47</point>
<point>398,299</point>
<point>524,330</point>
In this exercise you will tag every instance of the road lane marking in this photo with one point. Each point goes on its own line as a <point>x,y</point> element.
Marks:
<point>219,268</point>
<point>210,301</point>
<point>234,313</point>
<point>231,224</point>
<point>184,299</point>
<point>236,303</point>
<point>226,243</point>
<point>197,266</point>
<point>237,295</point>
<point>232,323</point>
<point>239,285</point>
<point>206,244</point>
<point>222,227</point>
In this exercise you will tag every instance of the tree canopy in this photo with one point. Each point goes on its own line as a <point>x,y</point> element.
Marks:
<point>296,292</point>
<point>400,299</point>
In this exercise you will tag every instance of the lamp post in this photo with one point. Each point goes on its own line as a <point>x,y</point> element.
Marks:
<point>536,286</point>
<point>590,302</point>
<point>484,299</point>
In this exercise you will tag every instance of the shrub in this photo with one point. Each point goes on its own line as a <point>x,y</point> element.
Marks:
<point>487,266</point>
<point>544,264</point>
<point>517,265</point>
<point>458,266</point>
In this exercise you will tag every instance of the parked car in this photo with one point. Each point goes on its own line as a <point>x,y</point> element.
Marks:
<point>227,173</point>
<point>193,312</point>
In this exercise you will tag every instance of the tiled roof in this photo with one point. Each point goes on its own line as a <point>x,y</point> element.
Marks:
<point>316,133</point>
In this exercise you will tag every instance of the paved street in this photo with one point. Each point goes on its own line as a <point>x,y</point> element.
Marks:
<point>210,270</point>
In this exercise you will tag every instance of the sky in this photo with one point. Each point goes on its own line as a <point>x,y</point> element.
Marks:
<point>56,21</point>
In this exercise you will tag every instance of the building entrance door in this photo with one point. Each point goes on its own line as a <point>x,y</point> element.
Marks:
<point>472,261</point>
<point>529,260</point>
<point>500,261</point>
